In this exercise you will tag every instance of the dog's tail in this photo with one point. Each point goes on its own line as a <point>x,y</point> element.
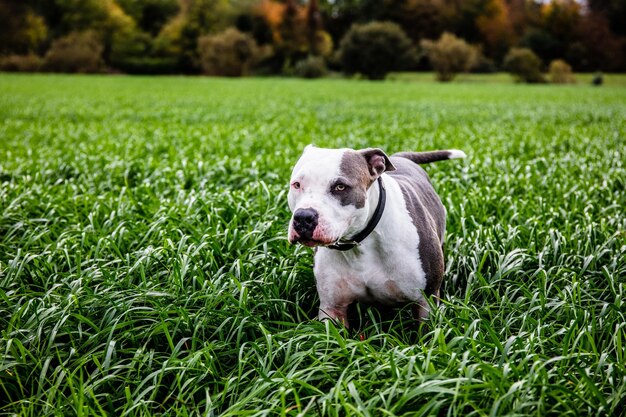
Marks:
<point>432,156</point>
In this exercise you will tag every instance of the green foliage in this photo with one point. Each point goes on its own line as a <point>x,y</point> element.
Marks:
<point>22,31</point>
<point>78,15</point>
<point>484,65</point>
<point>311,67</point>
<point>135,53</point>
<point>104,17</point>
<point>321,43</point>
<point>542,43</point>
<point>144,268</point>
<point>524,65</point>
<point>179,37</point>
<point>450,55</point>
<point>150,15</point>
<point>561,72</point>
<point>76,52</point>
<point>375,49</point>
<point>230,53</point>
<point>210,16</point>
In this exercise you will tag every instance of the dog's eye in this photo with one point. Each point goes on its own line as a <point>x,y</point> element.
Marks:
<point>340,187</point>
<point>296,185</point>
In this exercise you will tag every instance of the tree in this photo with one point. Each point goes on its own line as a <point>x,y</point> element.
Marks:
<point>374,49</point>
<point>179,36</point>
<point>495,28</point>
<point>449,55</point>
<point>542,43</point>
<point>22,30</point>
<point>603,50</point>
<point>150,15</point>
<point>614,11</point>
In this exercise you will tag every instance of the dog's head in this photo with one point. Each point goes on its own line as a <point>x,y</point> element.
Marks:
<point>328,193</point>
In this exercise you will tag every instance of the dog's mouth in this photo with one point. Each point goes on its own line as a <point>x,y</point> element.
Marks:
<point>310,242</point>
<point>319,236</point>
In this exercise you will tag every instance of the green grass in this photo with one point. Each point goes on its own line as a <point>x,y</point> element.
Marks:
<point>144,268</point>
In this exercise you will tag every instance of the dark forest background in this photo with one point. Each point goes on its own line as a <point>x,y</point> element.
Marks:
<point>280,37</point>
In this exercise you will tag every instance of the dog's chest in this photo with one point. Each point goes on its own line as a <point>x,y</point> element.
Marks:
<point>388,274</point>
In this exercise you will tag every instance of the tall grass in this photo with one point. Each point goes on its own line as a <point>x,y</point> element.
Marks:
<point>144,268</point>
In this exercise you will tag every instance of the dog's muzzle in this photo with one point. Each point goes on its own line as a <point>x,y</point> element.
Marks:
<point>304,222</point>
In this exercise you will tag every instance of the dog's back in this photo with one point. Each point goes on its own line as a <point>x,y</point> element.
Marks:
<point>425,208</point>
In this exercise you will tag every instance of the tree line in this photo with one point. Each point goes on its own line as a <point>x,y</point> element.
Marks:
<point>238,37</point>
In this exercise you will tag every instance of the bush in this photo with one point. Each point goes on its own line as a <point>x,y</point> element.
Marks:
<point>134,53</point>
<point>450,55</point>
<point>322,43</point>
<point>230,53</point>
<point>375,49</point>
<point>76,52</point>
<point>561,72</point>
<point>484,65</point>
<point>21,63</point>
<point>524,65</point>
<point>597,79</point>
<point>311,67</point>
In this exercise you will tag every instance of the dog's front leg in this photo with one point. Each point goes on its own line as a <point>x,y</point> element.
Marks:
<point>335,287</point>
<point>335,297</point>
<point>338,313</point>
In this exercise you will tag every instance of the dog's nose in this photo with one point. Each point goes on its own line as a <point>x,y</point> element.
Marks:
<point>305,221</point>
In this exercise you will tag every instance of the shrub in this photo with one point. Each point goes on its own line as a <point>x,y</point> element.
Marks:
<point>311,67</point>
<point>375,49</point>
<point>449,55</point>
<point>322,43</point>
<point>484,65</point>
<point>524,65</point>
<point>134,53</point>
<point>230,53</point>
<point>597,79</point>
<point>561,72</point>
<point>76,52</point>
<point>21,63</point>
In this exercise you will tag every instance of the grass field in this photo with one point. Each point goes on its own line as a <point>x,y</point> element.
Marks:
<point>144,267</point>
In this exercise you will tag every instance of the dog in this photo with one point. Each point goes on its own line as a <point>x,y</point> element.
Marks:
<point>376,224</point>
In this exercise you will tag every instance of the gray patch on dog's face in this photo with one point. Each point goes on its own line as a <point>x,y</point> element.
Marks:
<point>354,174</point>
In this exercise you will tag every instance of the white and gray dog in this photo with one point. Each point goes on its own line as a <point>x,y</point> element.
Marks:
<point>377,223</point>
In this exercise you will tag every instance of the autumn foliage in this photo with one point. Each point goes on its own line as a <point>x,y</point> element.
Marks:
<point>163,36</point>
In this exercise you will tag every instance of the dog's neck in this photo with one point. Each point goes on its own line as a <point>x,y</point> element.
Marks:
<point>376,209</point>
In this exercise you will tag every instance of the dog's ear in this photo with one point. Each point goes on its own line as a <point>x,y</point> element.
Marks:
<point>377,161</point>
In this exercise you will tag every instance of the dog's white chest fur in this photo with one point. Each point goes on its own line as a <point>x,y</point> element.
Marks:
<point>384,269</point>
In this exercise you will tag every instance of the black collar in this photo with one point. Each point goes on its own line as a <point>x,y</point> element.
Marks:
<point>378,213</point>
